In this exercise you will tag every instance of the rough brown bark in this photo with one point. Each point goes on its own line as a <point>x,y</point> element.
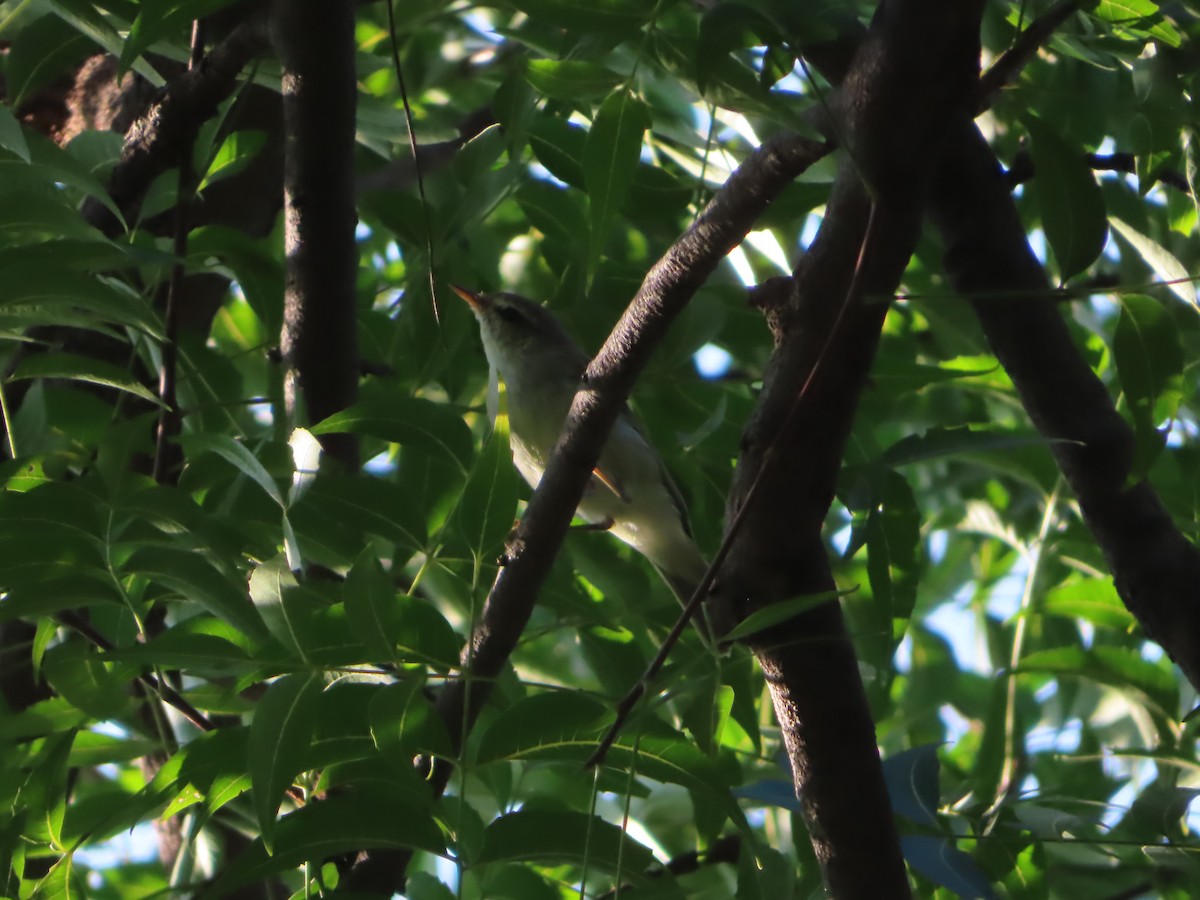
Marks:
<point>914,75</point>
<point>315,41</point>
<point>987,257</point>
<point>608,382</point>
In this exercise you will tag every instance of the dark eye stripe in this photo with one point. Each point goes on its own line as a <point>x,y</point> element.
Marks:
<point>509,314</point>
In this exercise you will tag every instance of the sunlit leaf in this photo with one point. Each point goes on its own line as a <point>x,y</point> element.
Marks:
<point>1072,205</point>
<point>279,739</point>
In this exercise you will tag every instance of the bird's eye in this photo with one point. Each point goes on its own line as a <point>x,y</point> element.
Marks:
<point>510,314</point>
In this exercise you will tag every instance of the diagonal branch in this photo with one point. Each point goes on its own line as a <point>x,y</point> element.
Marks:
<point>1004,70</point>
<point>914,74</point>
<point>987,257</point>
<point>609,379</point>
<point>667,288</point>
<point>158,139</point>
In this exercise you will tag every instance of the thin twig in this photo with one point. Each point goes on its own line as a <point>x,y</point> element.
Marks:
<point>1021,169</point>
<point>8,425</point>
<point>169,419</point>
<point>1005,69</point>
<point>416,158</point>
<point>169,695</point>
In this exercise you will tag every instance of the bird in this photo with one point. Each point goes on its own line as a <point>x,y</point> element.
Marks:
<point>630,492</point>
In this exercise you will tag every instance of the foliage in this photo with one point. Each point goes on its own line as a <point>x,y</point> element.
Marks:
<point>1033,739</point>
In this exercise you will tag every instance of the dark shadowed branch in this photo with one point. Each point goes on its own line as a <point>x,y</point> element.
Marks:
<point>167,457</point>
<point>1021,169</point>
<point>320,329</point>
<point>667,288</point>
<point>157,139</point>
<point>1006,69</point>
<point>907,78</point>
<point>1155,567</point>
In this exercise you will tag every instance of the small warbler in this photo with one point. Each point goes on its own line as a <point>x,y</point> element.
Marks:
<point>630,492</point>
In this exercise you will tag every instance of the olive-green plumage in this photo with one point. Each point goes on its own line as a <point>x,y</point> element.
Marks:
<point>541,365</point>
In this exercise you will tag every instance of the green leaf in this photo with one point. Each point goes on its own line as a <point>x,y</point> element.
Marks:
<point>912,783</point>
<point>488,504</point>
<point>570,80</point>
<point>423,886</point>
<point>406,421</point>
<point>235,153</point>
<point>1148,355</point>
<point>280,734</point>
<point>1124,10</point>
<point>61,288</point>
<point>38,215</point>
<point>404,722</point>
<point>424,634</point>
<point>52,160</point>
<point>156,19</point>
<point>47,784</point>
<point>77,672</point>
<point>62,882</point>
<point>191,645</point>
<point>11,137</point>
<point>370,600</point>
<point>1142,13</point>
<point>88,20</point>
<point>1072,205</point>
<point>761,620</point>
<point>945,442</point>
<point>765,874</point>
<point>361,504</point>
<point>726,27</point>
<point>559,146</point>
<point>565,726</point>
<point>236,454</point>
<point>893,553</point>
<point>285,607</point>
<point>49,595</point>
<point>543,721</point>
<point>42,718</point>
<point>610,158</point>
<point>210,769</point>
<point>194,578</point>
<point>306,462</point>
<point>1117,667</point>
<point>1164,264</point>
<point>555,837</point>
<point>1149,360</point>
<point>258,273</point>
<point>44,49</point>
<point>336,825</point>
<point>1095,600</point>
<point>83,369</point>
<point>555,212</point>
<point>939,860</point>
<point>610,16</point>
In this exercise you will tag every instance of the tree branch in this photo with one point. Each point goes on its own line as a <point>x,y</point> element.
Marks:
<point>1021,169</point>
<point>1155,567</point>
<point>610,377</point>
<point>320,328</point>
<point>1004,70</point>
<point>908,77</point>
<point>157,140</point>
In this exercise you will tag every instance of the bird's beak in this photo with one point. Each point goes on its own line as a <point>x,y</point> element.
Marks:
<point>477,302</point>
